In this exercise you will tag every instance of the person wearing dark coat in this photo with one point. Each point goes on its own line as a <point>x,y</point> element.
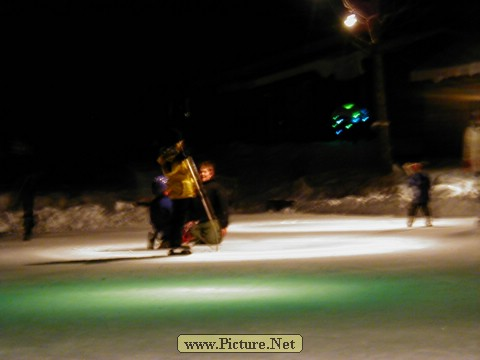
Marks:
<point>27,198</point>
<point>160,213</point>
<point>26,164</point>
<point>206,230</point>
<point>420,184</point>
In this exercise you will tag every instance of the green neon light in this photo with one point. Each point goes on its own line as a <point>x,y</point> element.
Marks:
<point>161,301</point>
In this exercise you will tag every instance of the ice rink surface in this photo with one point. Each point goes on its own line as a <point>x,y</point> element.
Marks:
<point>352,287</point>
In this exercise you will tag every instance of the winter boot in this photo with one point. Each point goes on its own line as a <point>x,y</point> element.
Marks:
<point>164,245</point>
<point>410,221</point>
<point>152,235</point>
<point>27,235</point>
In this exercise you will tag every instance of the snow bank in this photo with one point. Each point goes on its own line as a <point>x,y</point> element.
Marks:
<point>454,194</point>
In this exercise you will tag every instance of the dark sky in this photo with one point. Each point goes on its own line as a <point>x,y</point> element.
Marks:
<point>106,70</point>
<point>85,78</point>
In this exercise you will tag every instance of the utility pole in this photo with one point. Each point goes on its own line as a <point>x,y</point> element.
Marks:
<point>381,124</point>
<point>368,13</point>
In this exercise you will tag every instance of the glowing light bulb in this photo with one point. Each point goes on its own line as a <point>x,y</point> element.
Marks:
<point>351,20</point>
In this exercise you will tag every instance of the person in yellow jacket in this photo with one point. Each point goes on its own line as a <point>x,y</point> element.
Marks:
<point>180,189</point>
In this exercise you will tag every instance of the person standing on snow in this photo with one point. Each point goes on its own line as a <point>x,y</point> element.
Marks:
<point>180,188</point>
<point>26,163</point>
<point>471,149</point>
<point>471,145</point>
<point>160,212</point>
<point>420,184</point>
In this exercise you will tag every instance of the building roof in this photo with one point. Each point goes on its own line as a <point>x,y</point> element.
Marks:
<point>456,58</point>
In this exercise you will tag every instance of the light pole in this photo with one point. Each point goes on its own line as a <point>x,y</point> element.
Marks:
<point>368,15</point>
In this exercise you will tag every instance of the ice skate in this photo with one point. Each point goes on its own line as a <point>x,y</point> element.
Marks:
<point>152,235</point>
<point>410,222</point>
<point>181,250</point>
<point>162,244</point>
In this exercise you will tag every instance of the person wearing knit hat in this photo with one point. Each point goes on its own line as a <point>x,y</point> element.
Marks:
<point>160,213</point>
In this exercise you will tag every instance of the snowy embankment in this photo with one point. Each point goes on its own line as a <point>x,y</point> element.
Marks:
<point>455,193</point>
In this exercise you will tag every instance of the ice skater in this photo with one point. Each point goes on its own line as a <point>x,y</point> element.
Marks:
<point>160,213</point>
<point>181,190</point>
<point>420,184</point>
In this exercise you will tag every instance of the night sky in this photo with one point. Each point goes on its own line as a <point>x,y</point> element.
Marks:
<point>118,73</point>
<point>99,80</point>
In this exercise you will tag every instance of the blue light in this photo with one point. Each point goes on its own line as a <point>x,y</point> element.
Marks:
<point>348,115</point>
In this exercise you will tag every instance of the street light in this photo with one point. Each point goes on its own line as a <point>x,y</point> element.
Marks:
<point>350,20</point>
<point>367,13</point>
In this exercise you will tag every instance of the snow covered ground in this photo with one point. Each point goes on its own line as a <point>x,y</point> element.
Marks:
<point>352,287</point>
<point>455,193</point>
